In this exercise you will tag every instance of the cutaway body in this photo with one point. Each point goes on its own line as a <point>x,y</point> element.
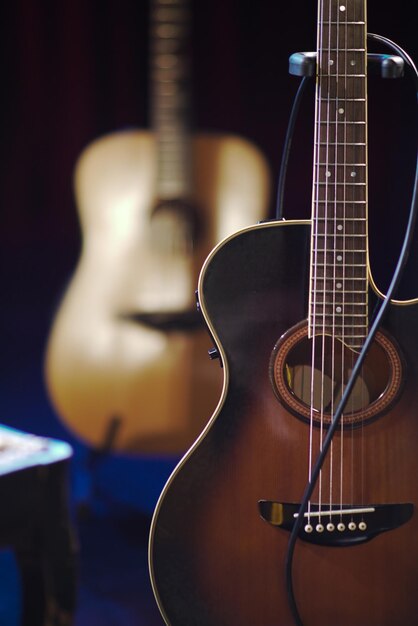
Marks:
<point>214,560</point>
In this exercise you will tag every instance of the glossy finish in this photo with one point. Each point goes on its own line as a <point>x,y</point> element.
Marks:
<point>214,560</point>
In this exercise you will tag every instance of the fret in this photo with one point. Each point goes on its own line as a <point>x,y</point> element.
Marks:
<point>346,49</point>
<point>327,250</point>
<point>343,183</point>
<point>323,289</point>
<point>339,193</point>
<point>360,307</point>
<point>341,121</point>
<point>343,22</point>
<point>329,280</point>
<point>358,272</point>
<point>318,202</point>
<point>339,267</point>
<point>340,143</point>
<point>343,75</point>
<point>329,99</point>
<point>336,293</point>
<point>341,305</point>
<point>329,322</point>
<point>339,235</point>
<point>346,219</point>
<point>345,164</point>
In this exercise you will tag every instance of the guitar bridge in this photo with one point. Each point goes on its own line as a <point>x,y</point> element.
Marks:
<point>337,525</point>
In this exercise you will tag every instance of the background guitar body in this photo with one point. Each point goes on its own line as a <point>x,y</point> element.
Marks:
<point>214,560</point>
<point>103,365</point>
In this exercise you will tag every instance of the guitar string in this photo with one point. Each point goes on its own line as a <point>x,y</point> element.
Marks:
<point>319,331</point>
<point>314,250</point>
<point>353,118</point>
<point>313,266</point>
<point>344,247</point>
<point>351,89</point>
<point>365,215</point>
<point>334,257</point>
<point>312,303</point>
<point>329,175</point>
<point>326,222</point>
<point>358,115</point>
<point>335,340</point>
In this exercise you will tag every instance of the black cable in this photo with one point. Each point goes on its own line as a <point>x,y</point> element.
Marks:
<point>403,256</point>
<point>287,145</point>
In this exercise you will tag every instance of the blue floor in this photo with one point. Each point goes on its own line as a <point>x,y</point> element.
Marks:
<point>113,585</point>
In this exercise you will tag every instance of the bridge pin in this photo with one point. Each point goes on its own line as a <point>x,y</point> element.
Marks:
<point>362,525</point>
<point>341,527</point>
<point>308,528</point>
<point>330,527</point>
<point>352,526</point>
<point>319,528</point>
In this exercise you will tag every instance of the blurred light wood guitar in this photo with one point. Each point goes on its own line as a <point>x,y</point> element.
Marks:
<point>126,357</point>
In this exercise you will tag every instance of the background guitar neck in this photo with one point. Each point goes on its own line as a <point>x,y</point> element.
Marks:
<point>170,96</point>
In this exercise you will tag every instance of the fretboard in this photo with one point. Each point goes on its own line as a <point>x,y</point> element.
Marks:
<point>338,303</point>
<point>169,105</point>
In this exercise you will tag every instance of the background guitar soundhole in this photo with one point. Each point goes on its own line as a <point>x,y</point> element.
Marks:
<point>304,374</point>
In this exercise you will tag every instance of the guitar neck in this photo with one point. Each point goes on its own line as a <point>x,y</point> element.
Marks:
<point>170,97</point>
<point>339,277</point>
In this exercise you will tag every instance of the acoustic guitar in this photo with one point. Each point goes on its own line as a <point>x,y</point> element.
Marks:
<point>289,306</point>
<point>126,359</point>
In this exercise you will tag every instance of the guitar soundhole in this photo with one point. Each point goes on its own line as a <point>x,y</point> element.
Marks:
<point>314,372</point>
<point>175,225</point>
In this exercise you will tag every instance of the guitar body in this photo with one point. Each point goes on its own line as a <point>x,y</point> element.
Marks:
<point>110,372</point>
<point>214,560</point>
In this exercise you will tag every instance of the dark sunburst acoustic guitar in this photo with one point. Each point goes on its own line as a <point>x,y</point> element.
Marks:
<point>126,356</point>
<point>289,304</point>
